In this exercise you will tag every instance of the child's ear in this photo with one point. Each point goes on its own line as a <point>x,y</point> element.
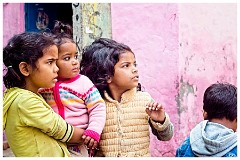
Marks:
<point>109,79</point>
<point>24,68</point>
<point>205,115</point>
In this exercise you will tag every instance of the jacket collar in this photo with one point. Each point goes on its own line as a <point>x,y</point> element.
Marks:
<point>126,96</point>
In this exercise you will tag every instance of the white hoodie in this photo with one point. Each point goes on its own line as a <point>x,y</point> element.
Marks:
<point>212,139</point>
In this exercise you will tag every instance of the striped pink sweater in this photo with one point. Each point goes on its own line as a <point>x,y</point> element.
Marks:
<point>79,102</point>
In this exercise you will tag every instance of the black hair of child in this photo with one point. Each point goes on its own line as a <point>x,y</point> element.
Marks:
<point>62,33</point>
<point>99,59</point>
<point>220,101</point>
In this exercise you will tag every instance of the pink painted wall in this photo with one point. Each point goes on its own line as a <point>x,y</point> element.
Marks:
<point>207,54</point>
<point>181,49</point>
<point>16,24</point>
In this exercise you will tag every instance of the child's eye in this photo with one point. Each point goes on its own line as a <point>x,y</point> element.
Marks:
<point>66,58</point>
<point>135,64</point>
<point>126,65</point>
<point>49,62</point>
<point>76,56</point>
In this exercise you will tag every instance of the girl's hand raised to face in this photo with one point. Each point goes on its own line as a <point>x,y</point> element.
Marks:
<point>156,112</point>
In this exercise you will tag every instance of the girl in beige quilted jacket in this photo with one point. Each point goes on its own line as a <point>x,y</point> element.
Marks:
<point>112,68</point>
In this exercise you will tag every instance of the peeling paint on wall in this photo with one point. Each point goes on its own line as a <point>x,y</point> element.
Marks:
<point>90,14</point>
<point>91,21</point>
<point>184,90</point>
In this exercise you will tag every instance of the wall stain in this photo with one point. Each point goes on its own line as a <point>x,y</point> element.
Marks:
<point>184,89</point>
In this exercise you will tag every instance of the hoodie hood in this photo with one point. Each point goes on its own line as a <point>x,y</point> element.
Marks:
<point>8,98</point>
<point>212,139</point>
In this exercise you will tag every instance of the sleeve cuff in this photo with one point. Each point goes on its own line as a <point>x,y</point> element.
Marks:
<point>69,133</point>
<point>159,126</point>
<point>92,134</point>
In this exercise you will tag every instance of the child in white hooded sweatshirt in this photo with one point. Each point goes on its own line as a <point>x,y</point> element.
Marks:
<point>216,136</point>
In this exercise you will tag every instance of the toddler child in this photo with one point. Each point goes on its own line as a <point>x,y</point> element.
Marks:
<point>74,96</point>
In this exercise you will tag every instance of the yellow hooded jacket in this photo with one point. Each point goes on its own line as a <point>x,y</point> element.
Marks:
<point>33,129</point>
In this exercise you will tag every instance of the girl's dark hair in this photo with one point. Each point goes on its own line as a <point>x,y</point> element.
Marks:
<point>99,59</point>
<point>220,101</point>
<point>62,33</point>
<point>25,47</point>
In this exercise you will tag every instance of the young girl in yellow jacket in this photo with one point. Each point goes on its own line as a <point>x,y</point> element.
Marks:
<point>32,128</point>
<point>113,69</point>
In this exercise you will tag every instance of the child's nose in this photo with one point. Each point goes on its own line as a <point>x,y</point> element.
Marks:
<point>134,70</point>
<point>56,69</point>
<point>75,61</point>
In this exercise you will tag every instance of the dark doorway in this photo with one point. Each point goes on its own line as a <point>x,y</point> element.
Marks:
<point>41,16</point>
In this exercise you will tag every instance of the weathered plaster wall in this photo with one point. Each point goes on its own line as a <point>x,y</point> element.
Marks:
<point>181,49</point>
<point>91,21</point>
<point>207,54</point>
